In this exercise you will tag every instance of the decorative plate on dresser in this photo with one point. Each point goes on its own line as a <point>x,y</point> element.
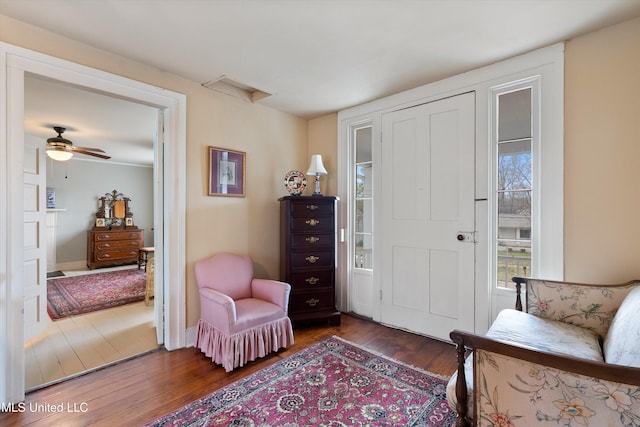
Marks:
<point>308,256</point>
<point>295,182</point>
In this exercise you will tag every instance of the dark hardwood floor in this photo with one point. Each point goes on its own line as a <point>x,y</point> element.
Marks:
<point>139,390</point>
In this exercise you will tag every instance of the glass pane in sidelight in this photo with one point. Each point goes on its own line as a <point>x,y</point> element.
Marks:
<point>514,115</point>
<point>514,259</point>
<point>514,165</point>
<point>516,203</point>
<point>364,251</point>
<point>364,216</point>
<point>363,145</point>
<point>364,180</point>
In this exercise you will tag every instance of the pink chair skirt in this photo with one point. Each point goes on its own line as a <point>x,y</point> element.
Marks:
<point>232,351</point>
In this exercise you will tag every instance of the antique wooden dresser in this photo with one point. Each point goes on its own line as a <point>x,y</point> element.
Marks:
<point>308,256</point>
<point>109,248</point>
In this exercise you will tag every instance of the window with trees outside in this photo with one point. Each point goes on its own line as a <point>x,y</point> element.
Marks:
<point>363,198</point>
<point>514,140</point>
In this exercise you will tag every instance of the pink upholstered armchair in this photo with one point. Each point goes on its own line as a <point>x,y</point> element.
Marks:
<point>242,318</point>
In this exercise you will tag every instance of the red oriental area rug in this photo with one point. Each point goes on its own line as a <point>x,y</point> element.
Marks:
<point>333,383</point>
<point>69,296</point>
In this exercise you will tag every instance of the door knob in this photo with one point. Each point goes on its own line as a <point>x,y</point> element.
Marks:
<point>466,236</point>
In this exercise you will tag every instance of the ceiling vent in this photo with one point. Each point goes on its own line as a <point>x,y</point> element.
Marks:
<point>228,86</point>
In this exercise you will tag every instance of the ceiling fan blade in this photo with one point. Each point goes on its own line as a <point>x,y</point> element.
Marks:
<point>80,150</point>
<point>74,148</point>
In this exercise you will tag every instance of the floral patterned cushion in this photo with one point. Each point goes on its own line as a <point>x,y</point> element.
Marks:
<point>551,336</point>
<point>589,306</point>
<point>622,343</point>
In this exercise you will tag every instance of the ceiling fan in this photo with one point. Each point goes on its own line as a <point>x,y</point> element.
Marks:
<point>59,148</point>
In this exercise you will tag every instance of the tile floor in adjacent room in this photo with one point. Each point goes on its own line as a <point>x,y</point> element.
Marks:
<point>77,344</point>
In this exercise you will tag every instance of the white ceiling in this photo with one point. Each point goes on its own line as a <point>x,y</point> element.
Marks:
<point>315,56</point>
<point>123,129</point>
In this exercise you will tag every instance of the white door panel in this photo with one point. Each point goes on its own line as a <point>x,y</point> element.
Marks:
<point>35,261</point>
<point>158,230</point>
<point>444,283</point>
<point>410,266</point>
<point>427,167</point>
<point>361,298</point>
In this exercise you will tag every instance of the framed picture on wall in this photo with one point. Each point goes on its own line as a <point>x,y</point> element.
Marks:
<point>227,171</point>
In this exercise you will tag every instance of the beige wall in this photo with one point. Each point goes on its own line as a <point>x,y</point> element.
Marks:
<point>275,143</point>
<point>602,155</point>
<point>323,139</point>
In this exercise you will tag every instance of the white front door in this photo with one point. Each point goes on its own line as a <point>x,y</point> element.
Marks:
<point>35,259</point>
<point>427,225</point>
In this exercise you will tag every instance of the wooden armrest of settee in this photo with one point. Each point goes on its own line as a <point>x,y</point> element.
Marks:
<point>467,341</point>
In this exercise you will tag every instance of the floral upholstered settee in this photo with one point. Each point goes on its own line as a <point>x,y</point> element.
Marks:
<point>572,359</point>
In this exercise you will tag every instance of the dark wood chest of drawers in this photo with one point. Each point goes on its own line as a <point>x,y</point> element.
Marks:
<point>109,248</point>
<point>308,256</point>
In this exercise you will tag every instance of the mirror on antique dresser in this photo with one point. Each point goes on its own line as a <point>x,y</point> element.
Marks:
<point>114,212</point>
<point>114,240</point>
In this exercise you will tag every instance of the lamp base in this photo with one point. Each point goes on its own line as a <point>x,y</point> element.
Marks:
<point>317,189</point>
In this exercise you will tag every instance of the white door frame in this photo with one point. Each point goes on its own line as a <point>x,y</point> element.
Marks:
<point>547,62</point>
<point>15,62</point>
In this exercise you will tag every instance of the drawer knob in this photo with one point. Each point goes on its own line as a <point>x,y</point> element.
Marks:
<point>312,302</point>
<point>312,259</point>
<point>312,239</point>
<point>312,280</point>
<point>312,222</point>
<point>312,207</point>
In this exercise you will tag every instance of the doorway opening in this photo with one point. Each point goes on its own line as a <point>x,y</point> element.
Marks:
<point>125,130</point>
<point>169,209</point>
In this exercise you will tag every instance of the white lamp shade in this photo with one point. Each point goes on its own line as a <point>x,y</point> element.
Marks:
<point>60,155</point>
<point>316,167</point>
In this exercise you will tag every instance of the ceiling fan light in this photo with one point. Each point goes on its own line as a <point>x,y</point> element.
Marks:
<point>59,155</point>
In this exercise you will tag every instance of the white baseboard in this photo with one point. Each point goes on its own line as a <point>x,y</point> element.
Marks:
<point>72,265</point>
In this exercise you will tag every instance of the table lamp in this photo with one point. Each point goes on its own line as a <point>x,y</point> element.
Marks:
<point>316,168</point>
